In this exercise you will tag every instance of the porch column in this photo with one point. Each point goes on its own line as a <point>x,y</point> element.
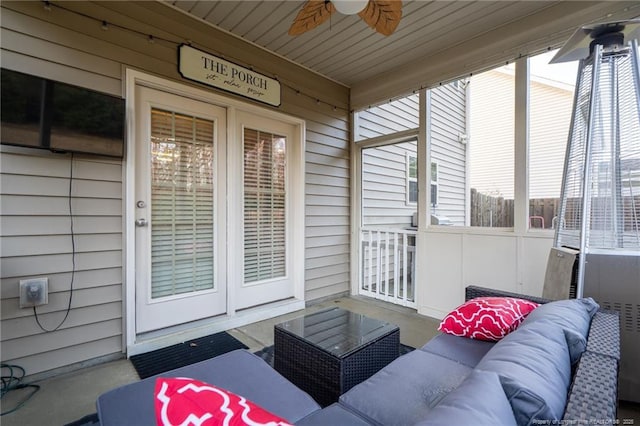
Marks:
<point>521,136</point>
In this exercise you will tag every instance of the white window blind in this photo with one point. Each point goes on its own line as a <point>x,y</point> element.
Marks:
<point>264,206</point>
<point>182,215</point>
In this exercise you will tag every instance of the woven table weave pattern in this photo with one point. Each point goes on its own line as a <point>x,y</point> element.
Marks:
<point>326,376</point>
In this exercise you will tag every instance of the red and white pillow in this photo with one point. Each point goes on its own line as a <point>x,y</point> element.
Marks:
<point>487,318</point>
<point>183,401</point>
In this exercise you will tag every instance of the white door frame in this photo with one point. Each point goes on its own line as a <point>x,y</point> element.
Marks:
<point>133,343</point>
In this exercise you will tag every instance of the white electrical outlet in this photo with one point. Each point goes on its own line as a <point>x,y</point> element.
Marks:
<point>34,292</point>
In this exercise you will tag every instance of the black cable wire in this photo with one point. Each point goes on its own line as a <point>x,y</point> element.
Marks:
<point>73,258</point>
<point>12,381</point>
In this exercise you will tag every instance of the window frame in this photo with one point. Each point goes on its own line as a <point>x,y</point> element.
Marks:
<point>434,203</point>
<point>409,179</point>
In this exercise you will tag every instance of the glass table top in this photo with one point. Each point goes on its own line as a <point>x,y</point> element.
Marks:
<point>336,330</point>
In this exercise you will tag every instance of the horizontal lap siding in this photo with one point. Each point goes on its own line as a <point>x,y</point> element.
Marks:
<point>395,116</point>
<point>384,168</point>
<point>448,122</point>
<point>36,242</point>
<point>384,186</point>
<point>492,134</point>
<point>64,46</point>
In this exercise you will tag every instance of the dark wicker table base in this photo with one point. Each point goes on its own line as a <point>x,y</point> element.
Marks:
<point>325,376</point>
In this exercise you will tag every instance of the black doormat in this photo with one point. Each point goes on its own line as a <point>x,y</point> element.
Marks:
<point>190,352</point>
<point>266,353</point>
<point>88,420</point>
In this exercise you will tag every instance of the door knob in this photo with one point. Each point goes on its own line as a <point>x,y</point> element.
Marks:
<point>142,222</point>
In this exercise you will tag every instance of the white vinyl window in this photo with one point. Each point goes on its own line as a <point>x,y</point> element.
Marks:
<point>264,205</point>
<point>412,178</point>
<point>182,193</point>
<point>434,183</point>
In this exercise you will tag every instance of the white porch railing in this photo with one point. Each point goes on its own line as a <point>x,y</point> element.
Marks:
<point>387,265</point>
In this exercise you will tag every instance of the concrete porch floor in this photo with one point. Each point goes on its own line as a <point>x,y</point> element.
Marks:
<point>68,397</point>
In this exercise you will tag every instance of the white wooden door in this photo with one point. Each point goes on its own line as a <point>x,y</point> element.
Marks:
<point>180,210</point>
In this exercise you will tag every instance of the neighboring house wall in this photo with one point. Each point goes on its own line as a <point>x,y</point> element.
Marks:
<point>384,180</point>
<point>64,46</point>
<point>491,141</point>
<point>491,135</point>
<point>551,107</point>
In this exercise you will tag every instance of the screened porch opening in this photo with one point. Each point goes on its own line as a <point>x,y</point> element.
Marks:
<point>388,234</point>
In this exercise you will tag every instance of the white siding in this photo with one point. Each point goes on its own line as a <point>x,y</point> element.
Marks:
<point>68,47</point>
<point>492,143</point>
<point>550,119</point>
<point>491,134</point>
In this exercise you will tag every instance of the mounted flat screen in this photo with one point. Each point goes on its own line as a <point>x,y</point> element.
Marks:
<point>21,113</point>
<point>47,114</point>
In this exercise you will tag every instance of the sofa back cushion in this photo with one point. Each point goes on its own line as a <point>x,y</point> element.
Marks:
<point>479,400</point>
<point>457,348</point>
<point>403,392</point>
<point>535,371</point>
<point>573,316</point>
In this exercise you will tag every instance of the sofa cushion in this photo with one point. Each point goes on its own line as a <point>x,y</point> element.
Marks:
<point>403,392</point>
<point>335,414</point>
<point>487,318</point>
<point>535,371</point>
<point>181,400</point>
<point>479,400</point>
<point>239,371</point>
<point>461,349</point>
<point>573,316</point>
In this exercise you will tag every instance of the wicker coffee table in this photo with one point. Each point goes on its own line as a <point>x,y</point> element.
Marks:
<point>329,352</point>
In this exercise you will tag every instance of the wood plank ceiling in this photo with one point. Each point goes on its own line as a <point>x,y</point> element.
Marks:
<point>347,51</point>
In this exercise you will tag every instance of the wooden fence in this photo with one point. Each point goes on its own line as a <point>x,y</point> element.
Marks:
<point>493,212</point>
<point>498,212</point>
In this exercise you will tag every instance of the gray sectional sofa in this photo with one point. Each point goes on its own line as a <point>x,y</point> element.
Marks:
<point>561,363</point>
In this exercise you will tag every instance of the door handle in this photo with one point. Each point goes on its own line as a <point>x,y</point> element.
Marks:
<point>142,222</point>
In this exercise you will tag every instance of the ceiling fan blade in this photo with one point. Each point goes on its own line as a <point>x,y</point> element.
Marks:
<point>382,15</point>
<point>312,14</point>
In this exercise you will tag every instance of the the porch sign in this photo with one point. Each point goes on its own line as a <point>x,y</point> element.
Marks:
<point>200,66</point>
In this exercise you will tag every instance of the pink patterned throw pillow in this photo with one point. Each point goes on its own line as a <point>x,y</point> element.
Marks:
<point>487,318</point>
<point>183,401</point>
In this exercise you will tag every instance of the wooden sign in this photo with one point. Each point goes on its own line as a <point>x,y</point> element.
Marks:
<point>200,66</point>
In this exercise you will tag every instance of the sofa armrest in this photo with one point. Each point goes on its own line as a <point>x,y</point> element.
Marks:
<point>473,291</point>
<point>593,395</point>
<point>604,334</point>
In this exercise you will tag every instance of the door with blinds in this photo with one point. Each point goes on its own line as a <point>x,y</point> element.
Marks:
<point>180,210</point>
<point>266,206</point>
